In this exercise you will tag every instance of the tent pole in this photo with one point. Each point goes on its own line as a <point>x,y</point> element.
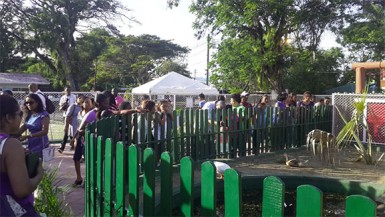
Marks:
<point>174,102</point>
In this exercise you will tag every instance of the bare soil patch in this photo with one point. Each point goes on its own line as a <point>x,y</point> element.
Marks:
<point>345,165</point>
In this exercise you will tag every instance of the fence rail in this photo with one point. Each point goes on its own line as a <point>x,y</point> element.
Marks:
<point>226,134</point>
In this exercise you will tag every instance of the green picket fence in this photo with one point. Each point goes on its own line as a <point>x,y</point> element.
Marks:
<point>193,133</point>
<point>114,187</point>
<point>121,175</point>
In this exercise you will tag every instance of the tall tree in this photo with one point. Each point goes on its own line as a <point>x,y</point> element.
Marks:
<point>48,27</point>
<point>266,26</point>
<point>364,34</point>
<point>133,60</point>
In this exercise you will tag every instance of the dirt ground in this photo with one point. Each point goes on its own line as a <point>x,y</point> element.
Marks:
<point>344,165</point>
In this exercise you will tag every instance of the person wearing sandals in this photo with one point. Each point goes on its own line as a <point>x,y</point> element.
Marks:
<point>70,120</point>
<point>102,103</point>
<point>15,183</point>
<point>37,123</point>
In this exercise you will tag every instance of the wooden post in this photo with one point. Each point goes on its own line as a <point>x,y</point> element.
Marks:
<point>360,79</point>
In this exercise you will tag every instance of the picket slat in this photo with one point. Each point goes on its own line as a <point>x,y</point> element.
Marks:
<point>149,182</point>
<point>121,178</point>
<point>133,180</point>
<point>99,174</point>
<point>187,186</point>
<point>233,193</point>
<point>166,184</point>
<point>309,201</point>
<point>360,206</point>
<point>108,178</point>
<point>273,196</point>
<point>209,189</point>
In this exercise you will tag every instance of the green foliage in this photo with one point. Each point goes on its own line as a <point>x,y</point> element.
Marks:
<point>314,71</point>
<point>48,200</point>
<point>133,60</point>
<point>47,29</point>
<point>351,130</point>
<point>364,36</point>
<point>254,36</point>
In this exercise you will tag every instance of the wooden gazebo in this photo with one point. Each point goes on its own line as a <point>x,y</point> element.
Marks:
<point>360,73</point>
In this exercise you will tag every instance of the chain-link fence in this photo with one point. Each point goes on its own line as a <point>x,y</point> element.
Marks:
<point>374,114</point>
<point>179,102</point>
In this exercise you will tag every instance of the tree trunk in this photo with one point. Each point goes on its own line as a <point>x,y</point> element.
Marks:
<point>274,78</point>
<point>67,68</point>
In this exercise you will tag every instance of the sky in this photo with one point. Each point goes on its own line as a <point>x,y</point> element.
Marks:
<point>169,24</point>
<point>176,24</point>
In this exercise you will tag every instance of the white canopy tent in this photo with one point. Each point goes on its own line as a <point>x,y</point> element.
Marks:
<point>174,84</point>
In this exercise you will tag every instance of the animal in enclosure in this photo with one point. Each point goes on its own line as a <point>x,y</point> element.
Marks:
<point>221,167</point>
<point>321,143</point>
<point>293,162</point>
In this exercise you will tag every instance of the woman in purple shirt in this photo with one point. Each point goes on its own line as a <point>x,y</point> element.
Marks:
<point>14,179</point>
<point>37,123</point>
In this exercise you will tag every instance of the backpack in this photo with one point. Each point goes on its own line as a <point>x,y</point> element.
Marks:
<point>49,106</point>
<point>65,105</point>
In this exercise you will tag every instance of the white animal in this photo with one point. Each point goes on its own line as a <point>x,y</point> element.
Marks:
<point>221,167</point>
<point>320,142</point>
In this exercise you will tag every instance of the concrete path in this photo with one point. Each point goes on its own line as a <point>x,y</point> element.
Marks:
<point>74,198</point>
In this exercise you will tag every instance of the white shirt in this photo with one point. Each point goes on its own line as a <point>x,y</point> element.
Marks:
<point>209,106</point>
<point>71,100</point>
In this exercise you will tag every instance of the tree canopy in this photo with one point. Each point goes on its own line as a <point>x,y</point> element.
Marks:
<point>47,28</point>
<point>258,31</point>
<point>74,41</point>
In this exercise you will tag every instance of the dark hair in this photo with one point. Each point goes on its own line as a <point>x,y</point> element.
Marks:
<point>99,99</point>
<point>149,105</point>
<point>11,108</point>
<point>281,97</point>
<point>307,93</point>
<point>236,97</point>
<point>37,99</point>
<point>111,97</point>
<point>326,97</point>
<point>124,105</point>
<point>221,98</point>
<point>202,96</point>
<point>7,92</point>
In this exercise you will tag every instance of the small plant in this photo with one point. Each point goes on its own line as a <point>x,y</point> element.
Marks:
<point>47,196</point>
<point>351,131</point>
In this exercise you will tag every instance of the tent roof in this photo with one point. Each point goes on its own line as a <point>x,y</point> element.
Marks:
<point>18,78</point>
<point>174,83</point>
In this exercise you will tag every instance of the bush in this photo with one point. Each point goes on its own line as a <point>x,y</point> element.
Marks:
<point>47,196</point>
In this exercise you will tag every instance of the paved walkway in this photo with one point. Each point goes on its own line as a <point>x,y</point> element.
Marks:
<point>74,198</point>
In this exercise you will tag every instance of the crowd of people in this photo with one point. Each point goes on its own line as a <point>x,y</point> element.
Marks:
<point>29,123</point>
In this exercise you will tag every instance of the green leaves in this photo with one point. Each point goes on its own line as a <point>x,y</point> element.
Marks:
<point>262,26</point>
<point>351,131</point>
